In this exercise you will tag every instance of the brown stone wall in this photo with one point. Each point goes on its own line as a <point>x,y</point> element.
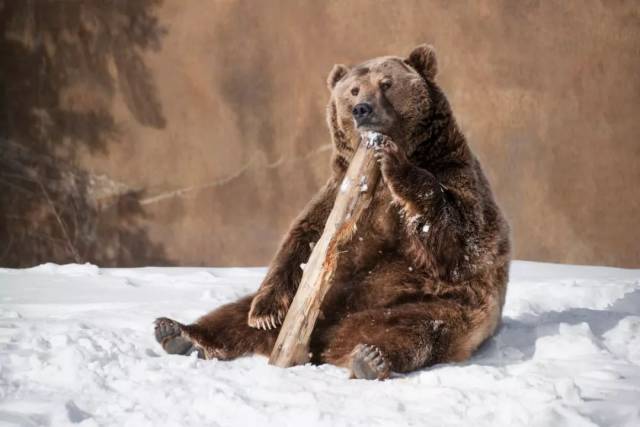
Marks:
<point>192,132</point>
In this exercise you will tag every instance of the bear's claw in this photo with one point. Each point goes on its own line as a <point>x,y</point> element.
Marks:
<point>268,309</point>
<point>267,321</point>
<point>368,362</point>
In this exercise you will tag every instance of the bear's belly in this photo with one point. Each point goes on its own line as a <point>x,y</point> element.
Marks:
<point>373,269</point>
<point>389,281</point>
<point>378,236</point>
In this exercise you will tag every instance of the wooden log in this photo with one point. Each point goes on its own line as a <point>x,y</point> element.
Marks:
<point>353,198</point>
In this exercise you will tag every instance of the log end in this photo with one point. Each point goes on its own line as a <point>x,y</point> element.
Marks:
<point>282,359</point>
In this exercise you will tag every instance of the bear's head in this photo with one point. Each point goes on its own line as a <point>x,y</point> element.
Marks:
<point>388,94</point>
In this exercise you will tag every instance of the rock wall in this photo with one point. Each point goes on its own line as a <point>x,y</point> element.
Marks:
<point>191,133</point>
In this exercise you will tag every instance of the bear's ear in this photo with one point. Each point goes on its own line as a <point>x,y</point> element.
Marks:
<point>423,59</point>
<point>337,72</point>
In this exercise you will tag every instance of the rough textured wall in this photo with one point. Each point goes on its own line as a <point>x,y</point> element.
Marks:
<point>191,132</point>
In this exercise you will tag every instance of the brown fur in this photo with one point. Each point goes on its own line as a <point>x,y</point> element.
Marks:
<point>428,267</point>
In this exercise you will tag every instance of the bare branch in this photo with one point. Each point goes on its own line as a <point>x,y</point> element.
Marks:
<point>70,247</point>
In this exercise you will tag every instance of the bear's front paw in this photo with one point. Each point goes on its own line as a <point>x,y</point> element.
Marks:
<point>391,157</point>
<point>268,309</point>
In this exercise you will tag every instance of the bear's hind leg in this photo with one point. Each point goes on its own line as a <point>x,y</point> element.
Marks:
<point>402,338</point>
<point>221,334</point>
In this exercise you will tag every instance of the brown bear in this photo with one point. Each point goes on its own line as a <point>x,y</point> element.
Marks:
<point>425,278</point>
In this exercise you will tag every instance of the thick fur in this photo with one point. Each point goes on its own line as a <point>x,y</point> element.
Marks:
<point>426,273</point>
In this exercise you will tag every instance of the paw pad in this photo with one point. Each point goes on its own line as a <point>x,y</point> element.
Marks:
<point>369,363</point>
<point>166,328</point>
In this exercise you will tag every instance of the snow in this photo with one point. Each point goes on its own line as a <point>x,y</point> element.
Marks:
<point>363,184</point>
<point>346,183</point>
<point>76,348</point>
<point>374,139</point>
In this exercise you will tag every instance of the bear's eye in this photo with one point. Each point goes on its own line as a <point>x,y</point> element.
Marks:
<point>385,84</point>
<point>355,91</point>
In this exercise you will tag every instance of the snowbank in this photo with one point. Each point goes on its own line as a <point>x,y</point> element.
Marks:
<point>76,348</point>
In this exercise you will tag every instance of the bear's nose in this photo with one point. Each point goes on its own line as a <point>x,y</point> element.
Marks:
<point>361,112</point>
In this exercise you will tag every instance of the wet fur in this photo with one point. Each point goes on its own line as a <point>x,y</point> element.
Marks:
<point>427,270</point>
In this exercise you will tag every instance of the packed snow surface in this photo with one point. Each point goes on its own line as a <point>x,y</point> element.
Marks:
<point>76,348</point>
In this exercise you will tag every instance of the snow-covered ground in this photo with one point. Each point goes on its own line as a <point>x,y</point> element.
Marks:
<point>76,347</point>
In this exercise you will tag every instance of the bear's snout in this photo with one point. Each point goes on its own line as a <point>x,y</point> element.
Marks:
<point>362,113</point>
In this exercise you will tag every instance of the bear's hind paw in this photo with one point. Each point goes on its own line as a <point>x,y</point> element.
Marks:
<point>368,362</point>
<point>169,334</point>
